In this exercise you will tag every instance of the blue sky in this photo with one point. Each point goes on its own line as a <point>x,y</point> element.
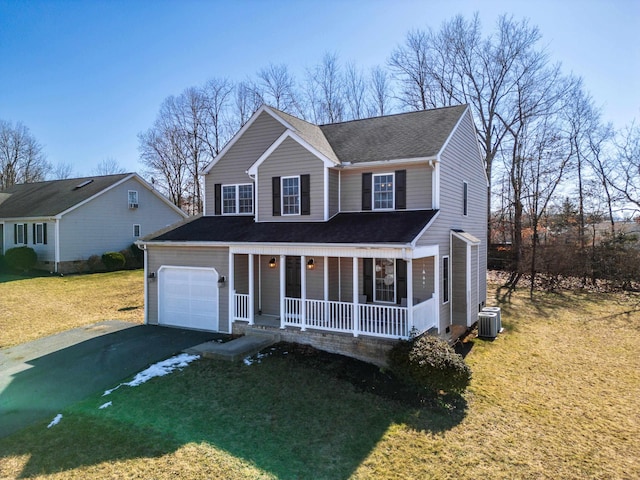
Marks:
<point>87,76</point>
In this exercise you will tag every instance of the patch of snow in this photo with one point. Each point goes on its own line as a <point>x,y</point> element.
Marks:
<point>105,405</point>
<point>159,369</point>
<point>55,421</point>
<point>257,358</point>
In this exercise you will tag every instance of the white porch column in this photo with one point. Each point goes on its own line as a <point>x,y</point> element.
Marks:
<point>303,293</point>
<point>356,306</point>
<point>325,271</point>
<point>232,293</point>
<point>282,290</point>
<point>251,290</point>
<point>410,295</point>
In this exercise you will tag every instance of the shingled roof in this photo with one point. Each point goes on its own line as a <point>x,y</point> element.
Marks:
<point>406,135</point>
<point>398,227</point>
<point>46,199</point>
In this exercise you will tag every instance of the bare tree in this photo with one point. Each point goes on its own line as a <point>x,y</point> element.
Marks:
<point>21,156</point>
<point>355,90</point>
<point>277,88</point>
<point>245,103</point>
<point>380,95</point>
<point>411,65</point>
<point>108,166</point>
<point>626,180</point>
<point>324,91</point>
<point>61,171</point>
<point>216,96</point>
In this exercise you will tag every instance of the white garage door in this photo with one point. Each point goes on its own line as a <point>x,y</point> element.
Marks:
<point>188,297</point>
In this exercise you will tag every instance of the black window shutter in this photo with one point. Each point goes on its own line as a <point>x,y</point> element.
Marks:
<point>275,193</point>
<point>44,233</point>
<point>366,191</point>
<point>401,189</point>
<point>25,229</point>
<point>367,278</point>
<point>34,233</point>
<point>305,194</point>
<point>217,192</point>
<point>15,233</point>
<point>401,274</point>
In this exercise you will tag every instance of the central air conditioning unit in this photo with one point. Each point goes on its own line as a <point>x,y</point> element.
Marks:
<point>487,324</point>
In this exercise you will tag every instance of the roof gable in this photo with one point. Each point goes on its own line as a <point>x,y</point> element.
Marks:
<point>57,197</point>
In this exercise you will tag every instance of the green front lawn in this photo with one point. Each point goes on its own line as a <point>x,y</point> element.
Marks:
<point>555,396</point>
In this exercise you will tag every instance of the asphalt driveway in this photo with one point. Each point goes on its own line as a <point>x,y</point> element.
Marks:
<point>38,379</point>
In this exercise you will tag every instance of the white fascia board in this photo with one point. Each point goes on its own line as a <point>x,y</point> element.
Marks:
<point>426,227</point>
<point>382,163</point>
<point>253,169</point>
<point>240,133</point>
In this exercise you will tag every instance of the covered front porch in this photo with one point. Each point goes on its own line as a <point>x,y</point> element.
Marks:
<point>378,292</point>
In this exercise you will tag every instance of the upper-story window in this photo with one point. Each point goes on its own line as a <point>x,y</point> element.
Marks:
<point>290,195</point>
<point>133,198</point>
<point>237,199</point>
<point>136,230</point>
<point>383,191</point>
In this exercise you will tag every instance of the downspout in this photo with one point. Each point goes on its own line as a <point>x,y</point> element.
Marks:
<point>56,232</point>
<point>146,281</point>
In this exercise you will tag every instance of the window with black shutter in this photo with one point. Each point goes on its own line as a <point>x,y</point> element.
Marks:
<point>275,196</point>
<point>366,191</point>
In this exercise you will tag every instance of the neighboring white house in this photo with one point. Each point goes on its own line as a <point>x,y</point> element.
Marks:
<point>374,228</point>
<point>67,221</point>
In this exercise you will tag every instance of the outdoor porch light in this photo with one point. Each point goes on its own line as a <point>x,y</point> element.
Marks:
<point>272,262</point>
<point>311,264</point>
<point>221,280</point>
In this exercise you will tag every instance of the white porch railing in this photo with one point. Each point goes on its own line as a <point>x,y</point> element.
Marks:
<point>241,306</point>
<point>424,315</point>
<point>384,321</point>
<point>387,321</point>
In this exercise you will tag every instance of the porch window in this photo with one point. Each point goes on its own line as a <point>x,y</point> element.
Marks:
<point>383,191</point>
<point>385,280</point>
<point>290,195</point>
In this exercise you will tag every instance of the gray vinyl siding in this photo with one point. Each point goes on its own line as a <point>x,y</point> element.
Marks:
<point>423,286</point>
<point>458,302</point>
<point>106,222</point>
<point>459,162</point>
<point>270,289</point>
<point>231,169</point>
<point>291,159</point>
<point>334,192</point>
<point>418,186</point>
<point>46,253</point>
<point>205,257</point>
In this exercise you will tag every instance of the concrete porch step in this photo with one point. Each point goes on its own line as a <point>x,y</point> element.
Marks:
<point>236,349</point>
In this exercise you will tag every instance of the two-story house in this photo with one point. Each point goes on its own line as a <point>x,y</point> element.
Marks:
<point>371,228</point>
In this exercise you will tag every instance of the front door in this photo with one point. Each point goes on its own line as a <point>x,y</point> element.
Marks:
<point>293,284</point>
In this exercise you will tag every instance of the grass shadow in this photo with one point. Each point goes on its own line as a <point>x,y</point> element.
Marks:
<point>292,413</point>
